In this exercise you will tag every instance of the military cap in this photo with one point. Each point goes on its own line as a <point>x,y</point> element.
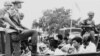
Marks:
<point>17,2</point>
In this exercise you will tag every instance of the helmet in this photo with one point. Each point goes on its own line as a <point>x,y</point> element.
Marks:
<point>7,3</point>
<point>91,13</point>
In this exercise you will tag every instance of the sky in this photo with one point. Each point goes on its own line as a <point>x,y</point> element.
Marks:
<point>33,9</point>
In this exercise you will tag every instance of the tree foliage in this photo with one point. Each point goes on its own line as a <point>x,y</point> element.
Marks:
<point>53,20</point>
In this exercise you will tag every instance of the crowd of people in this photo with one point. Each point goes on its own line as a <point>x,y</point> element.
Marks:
<point>10,19</point>
<point>86,42</point>
<point>63,46</point>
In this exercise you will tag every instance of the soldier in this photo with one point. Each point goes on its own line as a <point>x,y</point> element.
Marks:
<point>7,6</point>
<point>13,18</point>
<point>3,25</point>
<point>88,24</point>
<point>89,21</point>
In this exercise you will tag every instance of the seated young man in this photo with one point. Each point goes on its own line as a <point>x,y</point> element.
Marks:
<point>88,24</point>
<point>44,49</point>
<point>64,48</point>
<point>7,6</point>
<point>13,17</point>
<point>77,44</point>
<point>89,44</point>
<point>71,48</point>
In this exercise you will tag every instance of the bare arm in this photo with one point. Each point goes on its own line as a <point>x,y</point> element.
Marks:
<point>7,19</point>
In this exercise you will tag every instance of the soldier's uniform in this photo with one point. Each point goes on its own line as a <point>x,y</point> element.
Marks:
<point>2,26</point>
<point>14,13</point>
<point>3,12</point>
<point>89,23</point>
<point>90,26</point>
<point>15,17</point>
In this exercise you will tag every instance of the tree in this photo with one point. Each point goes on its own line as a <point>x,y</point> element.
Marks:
<point>53,20</point>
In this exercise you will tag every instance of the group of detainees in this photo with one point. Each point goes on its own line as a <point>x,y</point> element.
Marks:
<point>64,46</point>
<point>86,42</point>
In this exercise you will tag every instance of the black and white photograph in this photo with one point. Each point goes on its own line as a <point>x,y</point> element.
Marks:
<point>49,28</point>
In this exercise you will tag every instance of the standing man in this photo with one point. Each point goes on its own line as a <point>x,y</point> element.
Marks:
<point>13,17</point>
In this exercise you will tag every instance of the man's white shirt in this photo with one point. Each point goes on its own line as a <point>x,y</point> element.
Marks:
<point>91,47</point>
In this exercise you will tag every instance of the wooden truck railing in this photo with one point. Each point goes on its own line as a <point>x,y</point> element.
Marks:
<point>5,42</point>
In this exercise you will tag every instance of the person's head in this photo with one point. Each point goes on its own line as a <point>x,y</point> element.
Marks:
<point>91,15</point>
<point>8,5</point>
<point>87,39</point>
<point>17,4</point>
<point>42,46</point>
<point>65,40</point>
<point>60,37</point>
<point>77,41</point>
